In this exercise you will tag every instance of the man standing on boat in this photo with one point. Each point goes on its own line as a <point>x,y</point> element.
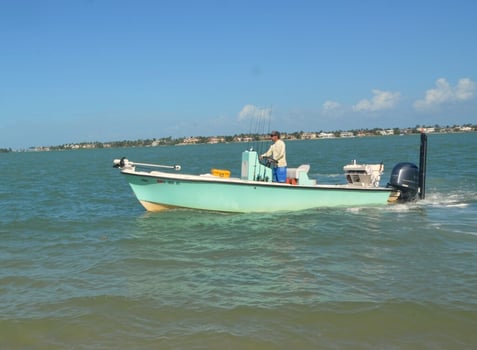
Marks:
<point>277,152</point>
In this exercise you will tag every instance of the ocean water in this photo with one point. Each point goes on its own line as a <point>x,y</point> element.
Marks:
<point>83,266</point>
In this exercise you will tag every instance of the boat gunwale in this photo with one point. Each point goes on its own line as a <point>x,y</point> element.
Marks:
<point>208,178</point>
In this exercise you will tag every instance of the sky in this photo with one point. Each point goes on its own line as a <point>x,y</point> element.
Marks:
<point>110,70</point>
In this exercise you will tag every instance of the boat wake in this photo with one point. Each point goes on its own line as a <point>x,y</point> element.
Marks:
<point>436,200</point>
<point>459,199</point>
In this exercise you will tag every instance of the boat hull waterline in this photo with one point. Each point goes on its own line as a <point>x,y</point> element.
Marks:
<point>159,191</point>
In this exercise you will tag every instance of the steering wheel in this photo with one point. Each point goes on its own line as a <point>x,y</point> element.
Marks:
<point>269,162</point>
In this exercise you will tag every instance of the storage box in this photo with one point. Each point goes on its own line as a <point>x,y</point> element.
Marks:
<point>220,172</point>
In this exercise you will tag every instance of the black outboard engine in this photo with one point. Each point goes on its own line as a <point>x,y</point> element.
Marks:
<point>405,179</point>
<point>409,181</point>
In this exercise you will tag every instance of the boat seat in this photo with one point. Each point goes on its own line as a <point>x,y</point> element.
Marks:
<point>304,168</point>
<point>291,173</point>
<point>301,175</point>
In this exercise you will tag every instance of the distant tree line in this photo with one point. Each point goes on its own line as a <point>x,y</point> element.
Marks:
<point>169,141</point>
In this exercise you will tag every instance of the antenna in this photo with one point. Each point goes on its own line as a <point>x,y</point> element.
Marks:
<point>270,118</point>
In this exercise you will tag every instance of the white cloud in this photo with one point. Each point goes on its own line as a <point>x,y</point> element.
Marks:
<point>465,89</point>
<point>381,100</point>
<point>254,112</point>
<point>444,93</point>
<point>330,105</point>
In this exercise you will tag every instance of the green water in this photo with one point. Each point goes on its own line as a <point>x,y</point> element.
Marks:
<point>83,266</point>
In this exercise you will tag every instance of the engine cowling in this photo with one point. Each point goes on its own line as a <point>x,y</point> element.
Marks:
<point>405,180</point>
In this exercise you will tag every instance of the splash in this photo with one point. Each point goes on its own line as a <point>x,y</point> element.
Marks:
<point>457,199</point>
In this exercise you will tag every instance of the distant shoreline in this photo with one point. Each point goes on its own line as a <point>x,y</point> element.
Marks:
<point>193,140</point>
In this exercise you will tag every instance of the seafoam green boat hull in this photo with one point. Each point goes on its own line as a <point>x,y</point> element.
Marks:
<point>158,191</point>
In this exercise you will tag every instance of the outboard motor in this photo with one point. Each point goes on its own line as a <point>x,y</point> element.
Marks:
<point>409,181</point>
<point>405,180</point>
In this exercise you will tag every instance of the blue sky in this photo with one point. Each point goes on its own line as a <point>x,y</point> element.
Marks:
<point>107,70</point>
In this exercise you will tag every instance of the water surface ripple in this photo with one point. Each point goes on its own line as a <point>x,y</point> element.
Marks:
<point>83,266</point>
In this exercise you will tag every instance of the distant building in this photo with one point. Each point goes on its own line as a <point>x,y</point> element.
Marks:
<point>190,140</point>
<point>309,136</point>
<point>242,139</point>
<point>214,140</point>
<point>386,132</point>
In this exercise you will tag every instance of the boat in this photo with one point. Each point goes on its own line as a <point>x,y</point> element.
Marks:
<point>161,187</point>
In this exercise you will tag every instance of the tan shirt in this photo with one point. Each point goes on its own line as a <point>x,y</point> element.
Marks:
<point>278,152</point>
